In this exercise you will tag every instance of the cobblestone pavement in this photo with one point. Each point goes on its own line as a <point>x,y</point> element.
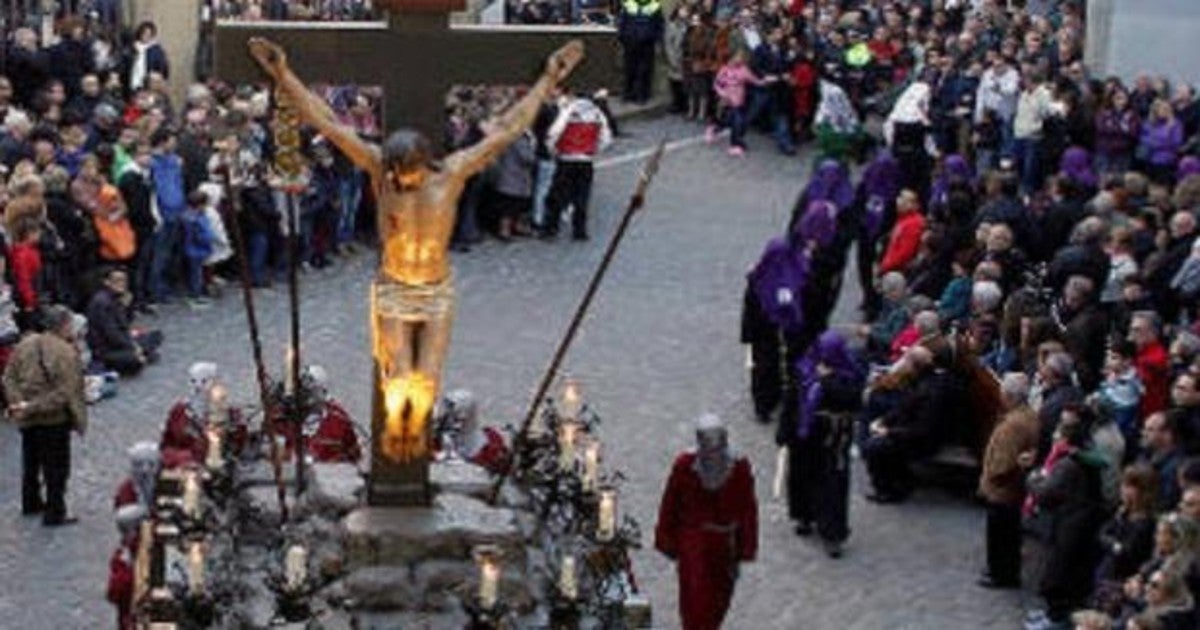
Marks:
<point>659,347</point>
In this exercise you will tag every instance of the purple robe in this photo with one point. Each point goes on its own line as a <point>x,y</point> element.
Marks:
<point>819,223</point>
<point>831,351</point>
<point>778,281</point>
<point>1076,165</point>
<point>831,182</point>
<point>880,186</point>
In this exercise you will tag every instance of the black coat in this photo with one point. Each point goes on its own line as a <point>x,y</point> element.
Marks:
<point>1049,414</point>
<point>29,70</point>
<point>1057,224</point>
<point>919,420</point>
<point>1085,338</point>
<point>137,190</point>
<point>1126,544</point>
<point>70,59</point>
<point>1070,499</point>
<point>1085,260</point>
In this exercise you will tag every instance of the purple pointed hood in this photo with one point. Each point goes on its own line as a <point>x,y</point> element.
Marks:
<point>955,168</point>
<point>831,182</point>
<point>777,282</point>
<point>1188,166</point>
<point>819,223</point>
<point>881,185</point>
<point>832,351</point>
<point>1076,165</point>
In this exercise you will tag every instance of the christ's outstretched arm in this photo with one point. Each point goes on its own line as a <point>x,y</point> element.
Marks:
<point>515,120</point>
<point>313,110</point>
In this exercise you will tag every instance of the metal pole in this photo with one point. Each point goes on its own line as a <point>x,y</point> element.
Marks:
<point>294,312</point>
<point>260,370</point>
<point>635,203</point>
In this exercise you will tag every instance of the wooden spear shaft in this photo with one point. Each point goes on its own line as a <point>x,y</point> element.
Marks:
<point>635,203</point>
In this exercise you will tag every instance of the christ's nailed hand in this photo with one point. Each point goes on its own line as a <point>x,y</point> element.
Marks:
<point>268,54</point>
<point>563,61</point>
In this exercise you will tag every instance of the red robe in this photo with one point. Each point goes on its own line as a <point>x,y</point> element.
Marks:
<point>335,439</point>
<point>494,454</point>
<point>126,494</point>
<point>120,585</point>
<point>185,443</point>
<point>707,534</point>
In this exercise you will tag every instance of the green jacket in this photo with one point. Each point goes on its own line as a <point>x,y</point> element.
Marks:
<point>45,372</point>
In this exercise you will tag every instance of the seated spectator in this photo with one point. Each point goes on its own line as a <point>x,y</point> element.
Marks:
<point>893,315</point>
<point>1056,376</point>
<point>905,239</point>
<point>113,341</point>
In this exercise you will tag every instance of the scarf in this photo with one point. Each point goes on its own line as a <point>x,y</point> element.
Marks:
<point>139,71</point>
<point>1061,450</point>
<point>835,110</point>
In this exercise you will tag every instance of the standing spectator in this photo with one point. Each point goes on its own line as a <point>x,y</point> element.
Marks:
<point>674,34</point>
<point>197,246</point>
<point>1160,143</point>
<point>708,524</point>
<point>906,131</point>
<point>771,100</point>
<point>1152,362</point>
<point>1002,483</point>
<point>26,260</point>
<point>730,88</point>
<point>71,58</point>
<point>1118,131</point>
<point>905,240</point>
<point>28,66</point>
<point>166,169</point>
<point>1034,106</point>
<point>1162,451</point>
<point>1122,389</point>
<point>514,186</point>
<point>639,27</point>
<point>577,135</point>
<point>44,387</point>
<point>147,56</point>
<point>1127,540</point>
<point>1068,494</point>
<point>699,57</point>
<point>137,189</point>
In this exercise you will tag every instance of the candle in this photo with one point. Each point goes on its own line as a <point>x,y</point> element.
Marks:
<point>295,567</point>
<point>288,373</point>
<point>606,525</point>
<point>213,458</point>
<point>196,568</point>
<point>489,581</point>
<point>591,466</point>
<point>566,445</point>
<point>571,400</point>
<point>191,495</point>
<point>568,583</point>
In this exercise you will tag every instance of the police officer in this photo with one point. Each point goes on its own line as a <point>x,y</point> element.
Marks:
<point>640,27</point>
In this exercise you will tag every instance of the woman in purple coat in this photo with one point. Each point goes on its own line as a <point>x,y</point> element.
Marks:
<point>1118,129</point>
<point>1162,138</point>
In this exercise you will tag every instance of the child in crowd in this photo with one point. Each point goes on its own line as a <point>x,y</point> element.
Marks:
<point>730,87</point>
<point>197,245</point>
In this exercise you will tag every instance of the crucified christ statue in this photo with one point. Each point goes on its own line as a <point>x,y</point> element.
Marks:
<point>413,296</point>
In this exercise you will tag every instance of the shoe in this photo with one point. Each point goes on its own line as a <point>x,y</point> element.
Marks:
<point>199,303</point>
<point>835,549</point>
<point>148,309</point>
<point>710,134</point>
<point>579,236</point>
<point>788,151</point>
<point>763,418</point>
<point>548,235</point>
<point>32,510</point>
<point>804,528</point>
<point>461,248</point>
<point>60,522</point>
<point>737,151</point>
<point>988,581</point>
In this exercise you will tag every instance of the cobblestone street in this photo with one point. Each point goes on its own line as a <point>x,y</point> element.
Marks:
<point>660,346</point>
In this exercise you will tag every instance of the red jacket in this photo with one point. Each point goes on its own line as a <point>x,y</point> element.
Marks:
<point>335,439</point>
<point>1154,369</point>
<point>26,267</point>
<point>120,585</point>
<point>904,243</point>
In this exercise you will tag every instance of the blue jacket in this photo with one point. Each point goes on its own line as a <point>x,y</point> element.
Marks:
<point>167,171</point>
<point>197,236</point>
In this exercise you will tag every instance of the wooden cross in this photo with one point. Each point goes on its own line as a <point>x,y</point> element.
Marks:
<point>416,56</point>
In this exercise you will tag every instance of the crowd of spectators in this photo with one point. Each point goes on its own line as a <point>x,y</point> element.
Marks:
<point>311,10</point>
<point>1027,247</point>
<point>117,197</point>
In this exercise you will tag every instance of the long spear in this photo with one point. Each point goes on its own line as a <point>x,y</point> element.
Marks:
<point>260,370</point>
<point>636,201</point>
